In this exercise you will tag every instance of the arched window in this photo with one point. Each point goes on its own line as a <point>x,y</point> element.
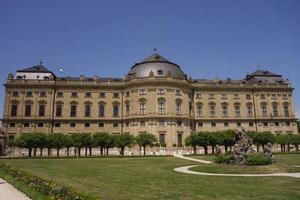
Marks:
<point>286,109</point>
<point>225,109</point>
<point>249,109</point>
<point>178,106</point>
<point>58,109</point>
<point>73,109</point>
<point>212,109</point>
<point>237,109</point>
<point>42,106</point>
<point>199,107</point>
<point>116,109</point>
<point>275,109</point>
<point>28,106</point>
<point>101,109</point>
<point>263,107</point>
<point>142,106</point>
<point>87,109</point>
<point>161,106</point>
<point>14,108</point>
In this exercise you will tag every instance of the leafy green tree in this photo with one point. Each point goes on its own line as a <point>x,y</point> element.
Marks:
<point>123,140</point>
<point>88,143</point>
<point>27,140</point>
<point>76,139</point>
<point>144,140</point>
<point>203,141</point>
<point>68,144</point>
<point>281,139</point>
<point>227,138</point>
<point>111,143</point>
<point>58,141</point>
<point>295,140</point>
<point>298,125</point>
<point>214,139</point>
<point>192,140</point>
<point>41,142</point>
<point>101,140</point>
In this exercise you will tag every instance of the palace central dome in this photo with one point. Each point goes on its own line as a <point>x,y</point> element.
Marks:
<point>156,65</point>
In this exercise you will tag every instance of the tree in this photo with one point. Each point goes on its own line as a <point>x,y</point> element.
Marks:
<point>203,141</point>
<point>227,139</point>
<point>87,142</point>
<point>145,139</point>
<point>295,140</point>
<point>123,140</point>
<point>76,139</point>
<point>298,125</point>
<point>281,139</point>
<point>101,140</point>
<point>214,139</point>
<point>41,142</point>
<point>111,142</point>
<point>58,141</point>
<point>68,144</point>
<point>192,140</point>
<point>27,140</point>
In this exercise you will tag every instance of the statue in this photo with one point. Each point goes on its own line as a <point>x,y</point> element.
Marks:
<point>268,152</point>
<point>218,150</point>
<point>242,147</point>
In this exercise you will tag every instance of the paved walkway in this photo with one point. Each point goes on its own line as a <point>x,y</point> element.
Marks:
<point>186,169</point>
<point>8,192</point>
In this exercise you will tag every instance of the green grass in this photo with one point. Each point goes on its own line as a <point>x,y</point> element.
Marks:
<point>23,187</point>
<point>154,178</point>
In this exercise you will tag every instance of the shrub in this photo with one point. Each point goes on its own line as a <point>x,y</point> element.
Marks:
<point>257,159</point>
<point>43,186</point>
<point>223,158</point>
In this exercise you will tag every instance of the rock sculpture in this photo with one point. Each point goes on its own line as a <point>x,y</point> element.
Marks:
<point>268,152</point>
<point>242,147</point>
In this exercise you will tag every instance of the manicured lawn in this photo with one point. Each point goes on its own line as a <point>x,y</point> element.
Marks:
<point>154,178</point>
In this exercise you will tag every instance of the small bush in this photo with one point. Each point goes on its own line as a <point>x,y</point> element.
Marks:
<point>257,159</point>
<point>223,158</point>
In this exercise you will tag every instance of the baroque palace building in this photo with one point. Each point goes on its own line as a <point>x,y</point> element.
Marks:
<point>156,96</point>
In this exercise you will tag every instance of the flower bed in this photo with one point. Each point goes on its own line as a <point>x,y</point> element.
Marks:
<point>47,188</point>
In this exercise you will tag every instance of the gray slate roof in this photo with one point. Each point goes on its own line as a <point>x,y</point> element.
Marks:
<point>154,58</point>
<point>36,68</point>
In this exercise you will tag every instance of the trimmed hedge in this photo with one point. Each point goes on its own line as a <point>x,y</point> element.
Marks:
<point>257,159</point>
<point>47,188</point>
<point>224,159</point>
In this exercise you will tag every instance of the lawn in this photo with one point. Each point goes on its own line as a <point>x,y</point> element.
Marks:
<point>154,178</point>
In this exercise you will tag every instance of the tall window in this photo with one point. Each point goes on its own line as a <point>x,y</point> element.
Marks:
<point>249,110</point>
<point>87,110</point>
<point>224,110</point>
<point>101,110</point>
<point>42,110</point>
<point>264,111</point>
<point>179,139</point>
<point>115,110</point>
<point>212,110</point>
<point>161,107</point>
<point>58,112</point>
<point>237,110</point>
<point>14,110</point>
<point>127,108</point>
<point>199,110</point>
<point>275,109</point>
<point>142,107</point>
<point>162,138</point>
<point>178,107</point>
<point>73,110</point>
<point>28,110</point>
<point>286,110</point>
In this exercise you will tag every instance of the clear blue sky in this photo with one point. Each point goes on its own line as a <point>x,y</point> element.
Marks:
<point>211,38</point>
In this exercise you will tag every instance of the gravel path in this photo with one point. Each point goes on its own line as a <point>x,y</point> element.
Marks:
<point>8,192</point>
<point>186,169</point>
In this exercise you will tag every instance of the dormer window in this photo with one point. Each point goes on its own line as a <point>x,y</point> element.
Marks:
<point>160,72</point>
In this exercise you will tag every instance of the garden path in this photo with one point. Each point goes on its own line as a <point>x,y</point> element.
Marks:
<point>8,192</point>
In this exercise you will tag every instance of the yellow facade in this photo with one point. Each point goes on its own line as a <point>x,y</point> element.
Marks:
<point>169,107</point>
